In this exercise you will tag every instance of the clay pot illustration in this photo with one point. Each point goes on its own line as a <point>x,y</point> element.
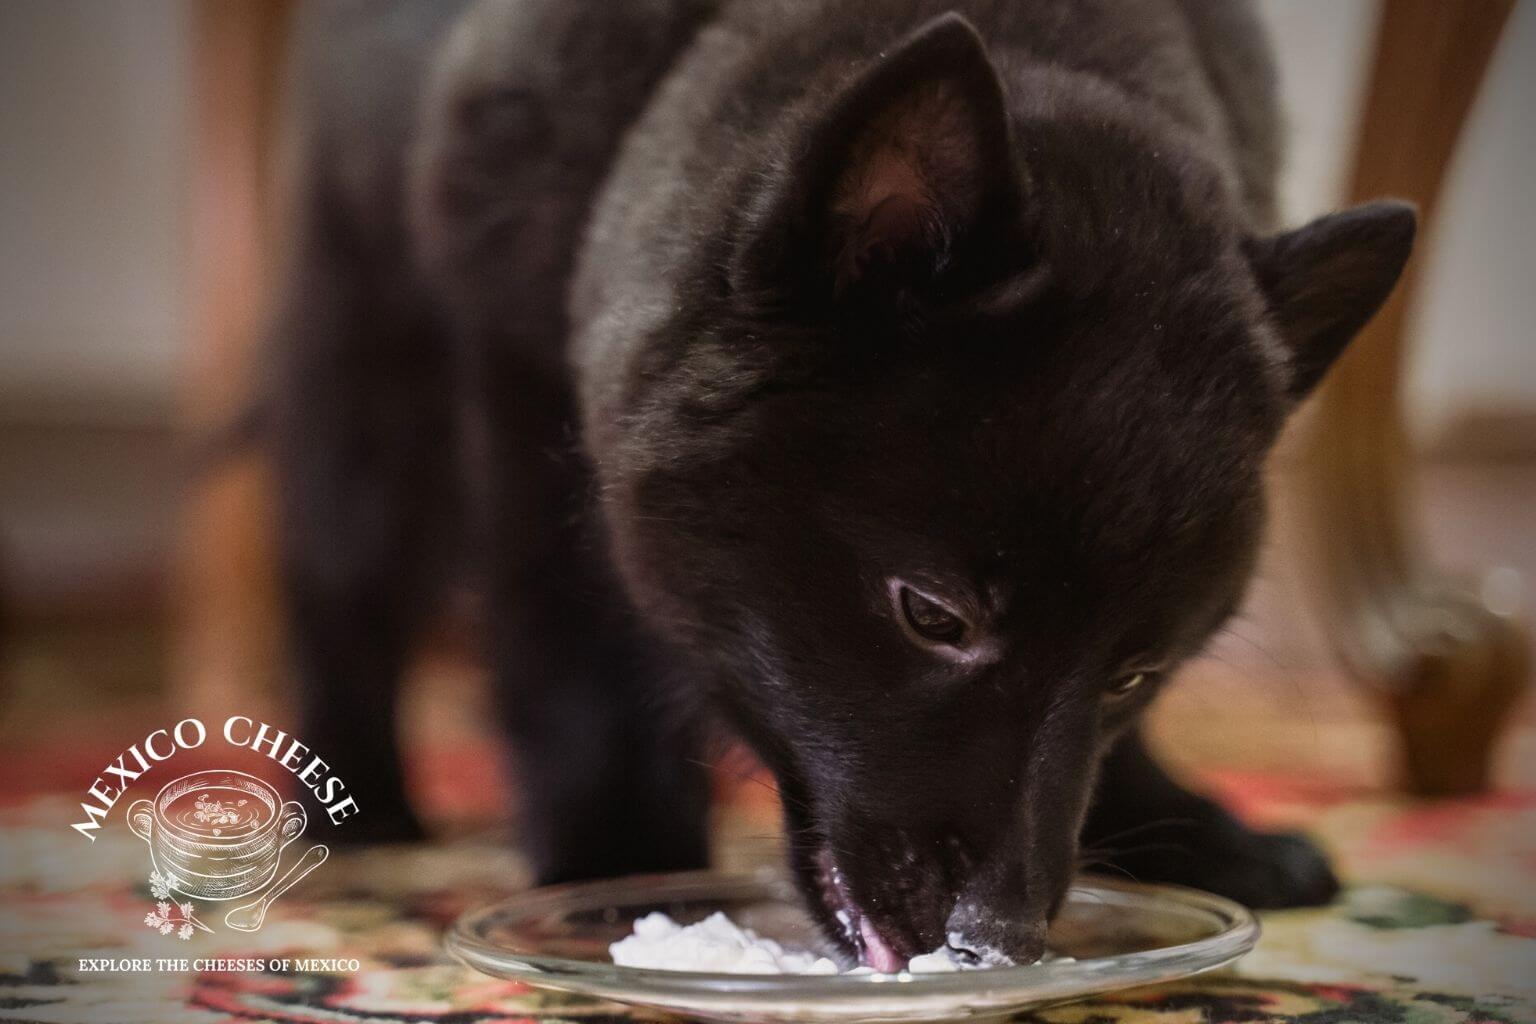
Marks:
<point>219,834</point>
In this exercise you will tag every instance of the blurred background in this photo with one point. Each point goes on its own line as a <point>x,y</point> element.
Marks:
<point>136,159</point>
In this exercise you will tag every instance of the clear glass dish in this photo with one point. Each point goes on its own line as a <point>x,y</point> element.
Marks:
<point>1120,934</point>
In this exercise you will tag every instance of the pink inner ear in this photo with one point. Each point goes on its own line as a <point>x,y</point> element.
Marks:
<point>893,231</point>
<point>887,168</point>
<point>913,173</point>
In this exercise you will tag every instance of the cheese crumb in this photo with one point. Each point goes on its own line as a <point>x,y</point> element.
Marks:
<point>718,944</point>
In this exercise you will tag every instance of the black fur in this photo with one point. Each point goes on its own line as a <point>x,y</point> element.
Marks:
<point>727,325</point>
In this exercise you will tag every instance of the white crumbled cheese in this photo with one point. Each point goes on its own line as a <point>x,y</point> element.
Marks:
<point>714,944</point>
<point>936,962</point>
<point>718,944</point>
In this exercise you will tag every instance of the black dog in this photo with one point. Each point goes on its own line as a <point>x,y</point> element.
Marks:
<point>890,382</point>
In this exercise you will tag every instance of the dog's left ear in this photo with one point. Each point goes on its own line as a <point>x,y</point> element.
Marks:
<point>902,181</point>
<point>1326,280</point>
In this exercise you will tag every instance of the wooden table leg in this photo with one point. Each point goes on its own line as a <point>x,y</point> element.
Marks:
<point>1448,667</point>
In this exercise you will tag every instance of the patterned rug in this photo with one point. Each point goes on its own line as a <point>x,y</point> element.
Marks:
<point>1438,925</point>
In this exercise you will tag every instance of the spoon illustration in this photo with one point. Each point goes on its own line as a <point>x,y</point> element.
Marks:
<point>248,918</point>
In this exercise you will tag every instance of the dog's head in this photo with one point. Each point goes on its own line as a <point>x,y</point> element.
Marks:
<point>961,458</point>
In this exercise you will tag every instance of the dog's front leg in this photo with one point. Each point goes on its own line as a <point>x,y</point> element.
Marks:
<point>1144,824</point>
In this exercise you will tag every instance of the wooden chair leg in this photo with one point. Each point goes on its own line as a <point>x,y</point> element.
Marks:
<point>227,650</point>
<point>1448,667</point>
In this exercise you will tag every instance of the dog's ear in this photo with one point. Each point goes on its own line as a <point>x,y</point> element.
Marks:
<point>1324,281</point>
<point>907,171</point>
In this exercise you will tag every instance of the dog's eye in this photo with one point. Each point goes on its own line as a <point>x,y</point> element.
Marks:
<point>1131,682</point>
<point>931,620</point>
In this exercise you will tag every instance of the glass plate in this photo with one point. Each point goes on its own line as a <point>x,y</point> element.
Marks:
<point>1120,934</point>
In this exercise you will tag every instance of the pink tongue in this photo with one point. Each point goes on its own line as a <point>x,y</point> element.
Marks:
<point>877,952</point>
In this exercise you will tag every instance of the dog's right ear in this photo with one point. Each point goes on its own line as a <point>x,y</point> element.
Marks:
<point>1324,281</point>
<point>902,182</point>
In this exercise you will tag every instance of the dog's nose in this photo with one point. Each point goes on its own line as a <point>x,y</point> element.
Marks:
<point>995,933</point>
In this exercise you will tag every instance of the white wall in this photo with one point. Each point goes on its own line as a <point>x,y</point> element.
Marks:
<point>93,107</point>
<point>1476,328</point>
<point>1320,47</point>
<point>1473,347</point>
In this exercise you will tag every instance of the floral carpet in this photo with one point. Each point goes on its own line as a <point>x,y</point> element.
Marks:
<point>1438,925</point>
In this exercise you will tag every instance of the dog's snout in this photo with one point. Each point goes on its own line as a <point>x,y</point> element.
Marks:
<point>988,936</point>
<point>1002,911</point>
<point>999,917</point>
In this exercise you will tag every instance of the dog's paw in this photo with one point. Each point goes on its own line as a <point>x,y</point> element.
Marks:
<point>1267,871</point>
